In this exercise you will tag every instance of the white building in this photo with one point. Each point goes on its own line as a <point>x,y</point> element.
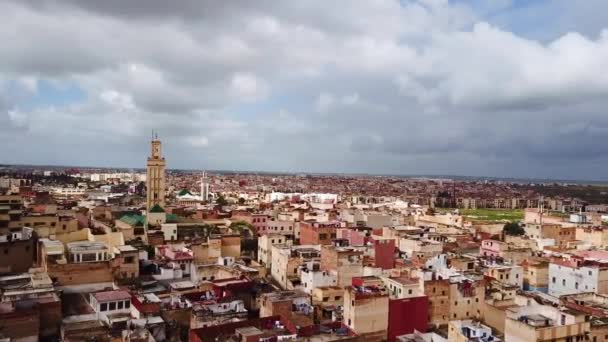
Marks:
<point>265,243</point>
<point>117,301</point>
<point>312,277</point>
<point>569,277</point>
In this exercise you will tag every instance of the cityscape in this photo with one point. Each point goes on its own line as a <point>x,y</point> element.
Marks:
<point>306,171</point>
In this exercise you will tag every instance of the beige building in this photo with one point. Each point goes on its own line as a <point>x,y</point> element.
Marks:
<point>286,262</point>
<point>545,323</point>
<point>536,275</point>
<point>366,311</point>
<point>342,262</point>
<point>265,243</point>
<point>403,287</point>
<point>595,236</point>
<point>467,330</point>
<point>155,177</point>
<point>466,299</point>
<point>50,225</point>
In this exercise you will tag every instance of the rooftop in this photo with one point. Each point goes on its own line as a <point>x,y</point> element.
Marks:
<point>109,296</point>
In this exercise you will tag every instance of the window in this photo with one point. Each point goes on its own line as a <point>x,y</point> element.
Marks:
<point>455,303</point>
<point>443,293</point>
<point>563,282</point>
<point>553,280</point>
<point>104,307</point>
<point>120,305</point>
<point>112,306</point>
<point>127,304</point>
<point>338,298</point>
<point>408,291</point>
<point>325,299</point>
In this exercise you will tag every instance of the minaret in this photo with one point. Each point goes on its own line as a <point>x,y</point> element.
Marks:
<point>204,187</point>
<point>155,179</point>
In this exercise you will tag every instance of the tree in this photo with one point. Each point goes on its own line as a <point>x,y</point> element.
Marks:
<point>241,201</point>
<point>221,201</point>
<point>513,228</point>
<point>244,228</point>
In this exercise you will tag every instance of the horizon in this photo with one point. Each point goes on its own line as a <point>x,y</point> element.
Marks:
<point>511,89</point>
<point>447,177</point>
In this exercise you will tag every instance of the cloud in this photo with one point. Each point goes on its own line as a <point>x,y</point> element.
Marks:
<point>417,86</point>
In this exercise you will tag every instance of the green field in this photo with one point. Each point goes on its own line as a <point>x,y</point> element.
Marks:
<point>496,215</point>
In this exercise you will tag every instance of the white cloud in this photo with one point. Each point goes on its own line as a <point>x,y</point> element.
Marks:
<point>414,85</point>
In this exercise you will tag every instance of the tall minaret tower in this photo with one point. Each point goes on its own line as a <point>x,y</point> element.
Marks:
<point>155,179</point>
<point>204,187</point>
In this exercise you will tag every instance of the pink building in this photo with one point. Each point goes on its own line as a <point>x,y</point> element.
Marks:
<point>355,236</point>
<point>492,248</point>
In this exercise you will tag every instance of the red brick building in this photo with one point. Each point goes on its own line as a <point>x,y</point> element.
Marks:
<point>319,233</point>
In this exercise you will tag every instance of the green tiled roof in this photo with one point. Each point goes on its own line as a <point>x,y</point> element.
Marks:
<point>172,218</point>
<point>133,220</point>
<point>183,192</point>
<point>157,209</point>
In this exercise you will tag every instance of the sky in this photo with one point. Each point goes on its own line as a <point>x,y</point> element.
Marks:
<point>503,88</point>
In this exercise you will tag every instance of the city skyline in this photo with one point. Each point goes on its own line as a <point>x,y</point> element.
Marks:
<point>475,88</point>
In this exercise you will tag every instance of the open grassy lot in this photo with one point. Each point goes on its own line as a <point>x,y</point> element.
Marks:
<point>496,215</point>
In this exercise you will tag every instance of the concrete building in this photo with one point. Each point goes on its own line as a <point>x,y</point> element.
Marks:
<point>313,277</point>
<point>508,274</point>
<point>284,304</point>
<point>366,311</point>
<point>343,263</point>
<point>286,262</point>
<point>265,243</point>
<point>545,323</point>
<point>467,330</point>
<point>419,247</point>
<point>536,276</point>
<point>403,287</point>
<point>17,250</point>
<point>583,272</point>
<point>111,302</point>
<point>405,316</point>
<point>319,233</point>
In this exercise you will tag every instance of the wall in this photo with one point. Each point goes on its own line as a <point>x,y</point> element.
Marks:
<point>565,280</point>
<point>404,316</point>
<point>438,292</point>
<point>367,315</point>
<point>17,256</point>
<point>83,273</point>
<point>231,246</point>
<point>466,307</point>
<point>384,253</point>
